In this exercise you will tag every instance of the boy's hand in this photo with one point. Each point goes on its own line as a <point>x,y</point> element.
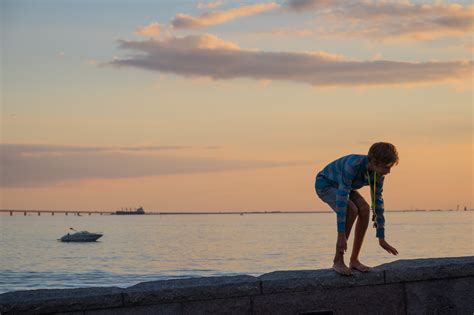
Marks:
<point>341,245</point>
<point>392,250</point>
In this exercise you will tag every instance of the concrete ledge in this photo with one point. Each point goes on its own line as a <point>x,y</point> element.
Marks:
<point>378,299</point>
<point>446,296</point>
<point>427,269</point>
<point>304,280</point>
<point>441,285</point>
<point>64,300</point>
<point>208,288</point>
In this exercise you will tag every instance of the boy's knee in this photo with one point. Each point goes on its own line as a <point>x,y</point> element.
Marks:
<point>352,210</point>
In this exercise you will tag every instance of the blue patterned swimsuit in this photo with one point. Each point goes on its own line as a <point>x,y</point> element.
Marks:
<point>343,176</point>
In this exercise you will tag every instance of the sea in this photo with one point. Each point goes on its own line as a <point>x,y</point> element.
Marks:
<point>138,248</point>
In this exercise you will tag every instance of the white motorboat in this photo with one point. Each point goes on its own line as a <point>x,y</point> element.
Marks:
<point>81,236</point>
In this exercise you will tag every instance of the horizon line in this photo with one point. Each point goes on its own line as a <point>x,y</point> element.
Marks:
<point>209,212</point>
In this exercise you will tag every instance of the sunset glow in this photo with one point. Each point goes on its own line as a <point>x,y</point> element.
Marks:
<point>231,105</point>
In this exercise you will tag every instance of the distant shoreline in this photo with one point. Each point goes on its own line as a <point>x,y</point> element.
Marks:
<point>82,212</point>
<point>290,212</point>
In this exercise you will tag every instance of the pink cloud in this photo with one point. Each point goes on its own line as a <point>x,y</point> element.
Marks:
<point>209,56</point>
<point>389,20</point>
<point>184,21</point>
<point>151,30</point>
<point>210,5</point>
<point>42,165</point>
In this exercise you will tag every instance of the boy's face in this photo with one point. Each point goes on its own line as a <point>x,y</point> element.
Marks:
<point>380,168</point>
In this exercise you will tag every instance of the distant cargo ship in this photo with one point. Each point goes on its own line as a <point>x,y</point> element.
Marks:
<point>126,211</point>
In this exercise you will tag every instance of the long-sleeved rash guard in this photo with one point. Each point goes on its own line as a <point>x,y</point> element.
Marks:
<point>350,173</point>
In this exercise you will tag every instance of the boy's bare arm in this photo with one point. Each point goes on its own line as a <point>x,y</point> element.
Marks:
<point>341,245</point>
<point>383,243</point>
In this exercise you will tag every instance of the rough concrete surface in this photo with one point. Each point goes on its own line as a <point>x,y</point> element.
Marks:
<point>191,289</point>
<point>63,300</point>
<point>416,286</point>
<point>377,299</point>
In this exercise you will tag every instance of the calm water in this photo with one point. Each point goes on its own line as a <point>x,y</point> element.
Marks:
<point>145,248</point>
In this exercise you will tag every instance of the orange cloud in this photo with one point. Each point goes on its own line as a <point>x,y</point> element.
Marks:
<point>286,32</point>
<point>151,30</point>
<point>209,56</point>
<point>210,5</point>
<point>184,21</point>
<point>208,41</point>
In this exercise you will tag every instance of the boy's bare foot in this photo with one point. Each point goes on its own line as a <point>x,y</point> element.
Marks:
<point>357,265</point>
<point>341,268</point>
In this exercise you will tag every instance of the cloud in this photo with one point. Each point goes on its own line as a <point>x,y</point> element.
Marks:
<point>388,20</point>
<point>285,32</point>
<point>151,30</point>
<point>210,5</point>
<point>184,21</point>
<point>209,56</point>
<point>304,5</point>
<point>21,168</point>
<point>51,149</point>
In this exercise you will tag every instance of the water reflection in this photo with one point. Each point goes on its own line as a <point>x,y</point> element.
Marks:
<point>145,248</point>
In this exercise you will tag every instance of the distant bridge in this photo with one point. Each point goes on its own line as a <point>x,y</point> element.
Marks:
<point>53,212</point>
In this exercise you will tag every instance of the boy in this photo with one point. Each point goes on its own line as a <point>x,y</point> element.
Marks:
<point>336,185</point>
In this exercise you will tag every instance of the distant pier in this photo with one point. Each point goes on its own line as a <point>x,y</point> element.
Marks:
<point>53,212</point>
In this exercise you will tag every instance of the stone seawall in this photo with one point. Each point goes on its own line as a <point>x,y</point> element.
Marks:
<point>417,286</point>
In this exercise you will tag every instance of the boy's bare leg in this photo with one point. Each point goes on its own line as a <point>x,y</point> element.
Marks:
<point>339,265</point>
<point>359,233</point>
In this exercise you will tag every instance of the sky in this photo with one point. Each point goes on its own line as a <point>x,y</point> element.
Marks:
<point>231,105</point>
